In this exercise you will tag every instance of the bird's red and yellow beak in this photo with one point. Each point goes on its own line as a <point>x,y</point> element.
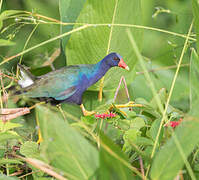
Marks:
<point>123,65</point>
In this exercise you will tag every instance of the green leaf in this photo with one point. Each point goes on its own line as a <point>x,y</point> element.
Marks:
<point>4,42</point>
<point>6,14</point>
<point>129,137</point>
<point>194,85</point>
<point>195,6</point>
<point>69,11</point>
<point>8,125</point>
<point>110,166</point>
<point>137,123</point>
<point>92,44</point>
<point>4,177</point>
<point>162,94</point>
<point>154,130</point>
<point>64,147</point>
<point>144,141</point>
<point>1,24</point>
<point>30,149</point>
<point>4,136</point>
<point>10,161</point>
<point>88,120</point>
<point>168,161</point>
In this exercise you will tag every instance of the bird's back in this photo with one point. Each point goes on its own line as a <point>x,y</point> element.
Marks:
<point>59,84</point>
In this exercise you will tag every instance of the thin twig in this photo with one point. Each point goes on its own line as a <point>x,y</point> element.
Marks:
<point>40,103</point>
<point>55,54</point>
<point>168,100</point>
<point>20,112</point>
<point>43,43</point>
<point>141,167</point>
<point>163,68</point>
<point>10,77</point>
<point>108,49</point>
<point>17,173</point>
<point>43,167</point>
<point>28,174</point>
<point>62,112</point>
<point>26,43</point>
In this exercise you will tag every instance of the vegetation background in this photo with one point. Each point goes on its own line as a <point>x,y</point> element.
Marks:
<point>157,39</point>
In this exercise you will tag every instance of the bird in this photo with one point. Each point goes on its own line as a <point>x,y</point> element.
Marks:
<point>67,84</point>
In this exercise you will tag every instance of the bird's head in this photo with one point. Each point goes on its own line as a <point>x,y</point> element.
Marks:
<point>114,59</point>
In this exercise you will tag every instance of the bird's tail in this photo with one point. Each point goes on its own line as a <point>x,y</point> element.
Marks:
<point>26,79</point>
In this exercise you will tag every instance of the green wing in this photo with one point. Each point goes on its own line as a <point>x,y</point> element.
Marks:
<point>59,84</point>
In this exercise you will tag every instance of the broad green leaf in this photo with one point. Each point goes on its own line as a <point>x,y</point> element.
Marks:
<point>4,177</point>
<point>194,83</point>
<point>8,125</point>
<point>110,166</point>
<point>30,149</point>
<point>93,43</point>
<point>64,147</point>
<point>10,161</point>
<point>168,161</point>
<point>195,6</point>
<point>69,11</point>
<point>4,42</point>
<point>137,123</point>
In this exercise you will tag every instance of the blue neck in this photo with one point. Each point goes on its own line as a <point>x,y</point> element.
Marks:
<point>100,70</point>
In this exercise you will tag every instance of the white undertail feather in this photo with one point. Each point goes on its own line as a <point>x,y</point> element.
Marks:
<point>25,80</point>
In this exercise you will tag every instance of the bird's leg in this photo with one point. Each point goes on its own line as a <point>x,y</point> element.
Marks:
<point>40,139</point>
<point>85,112</point>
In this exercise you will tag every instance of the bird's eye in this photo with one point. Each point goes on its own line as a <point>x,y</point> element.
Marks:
<point>116,58</point>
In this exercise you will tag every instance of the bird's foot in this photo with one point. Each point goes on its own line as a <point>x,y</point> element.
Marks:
<point>88,113</point>
<point>85,112</point>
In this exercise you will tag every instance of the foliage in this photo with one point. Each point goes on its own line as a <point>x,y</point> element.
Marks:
<point>157,139</point>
